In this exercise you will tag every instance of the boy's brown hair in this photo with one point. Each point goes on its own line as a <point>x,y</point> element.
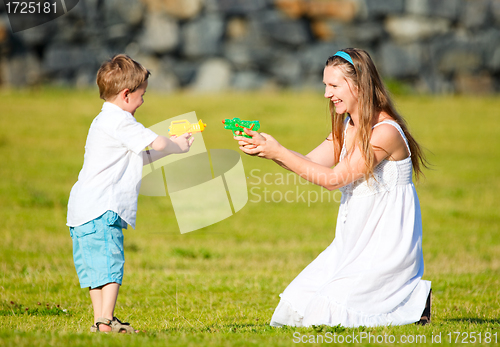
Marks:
<point>119,73</point>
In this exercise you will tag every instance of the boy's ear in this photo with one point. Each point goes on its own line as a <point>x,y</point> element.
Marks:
<point>123,95</point>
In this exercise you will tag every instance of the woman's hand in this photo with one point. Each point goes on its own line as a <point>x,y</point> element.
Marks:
<point>261,145</point>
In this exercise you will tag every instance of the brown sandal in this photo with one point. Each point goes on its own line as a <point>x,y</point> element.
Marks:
<point>116,325</point>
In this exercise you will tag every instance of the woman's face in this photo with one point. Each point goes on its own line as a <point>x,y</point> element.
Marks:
<point>340,90</point>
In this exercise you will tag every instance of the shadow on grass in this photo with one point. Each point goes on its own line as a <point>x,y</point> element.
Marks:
<point>263,328</point>
<point>474,320</point>
<point>232,328</point>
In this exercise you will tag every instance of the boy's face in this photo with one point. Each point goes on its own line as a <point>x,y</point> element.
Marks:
<point>135,99</point>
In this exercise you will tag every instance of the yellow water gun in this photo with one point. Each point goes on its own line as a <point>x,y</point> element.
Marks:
<point>179,127</point>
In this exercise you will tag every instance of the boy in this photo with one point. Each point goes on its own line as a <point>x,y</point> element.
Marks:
<point>104,200</point>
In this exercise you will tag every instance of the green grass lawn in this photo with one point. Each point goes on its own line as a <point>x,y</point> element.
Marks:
<point>219,286</point>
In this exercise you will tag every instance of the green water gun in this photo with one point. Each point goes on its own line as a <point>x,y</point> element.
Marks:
<point>236,125</point>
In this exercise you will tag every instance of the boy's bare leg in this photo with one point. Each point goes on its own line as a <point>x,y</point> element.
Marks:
<point>96,297</point>
<point>104,301</point>
<point>109,296</point>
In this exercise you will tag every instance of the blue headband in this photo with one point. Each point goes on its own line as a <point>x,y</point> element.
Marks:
<point>344,55</point>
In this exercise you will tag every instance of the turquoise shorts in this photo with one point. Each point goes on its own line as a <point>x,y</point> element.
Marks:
<point>98,250</point>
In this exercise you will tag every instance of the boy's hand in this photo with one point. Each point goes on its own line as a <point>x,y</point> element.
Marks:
<point>163,146</point>
<point>180,144</point>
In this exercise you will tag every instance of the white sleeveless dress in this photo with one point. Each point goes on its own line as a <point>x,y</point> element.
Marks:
<point>371,273</point>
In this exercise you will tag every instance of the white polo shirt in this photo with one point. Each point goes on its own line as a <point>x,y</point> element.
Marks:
<point>112,168</point>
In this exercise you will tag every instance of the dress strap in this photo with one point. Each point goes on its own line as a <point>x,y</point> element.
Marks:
<point>343,151</point>
<point>397,126</point>
<point>346,125</point>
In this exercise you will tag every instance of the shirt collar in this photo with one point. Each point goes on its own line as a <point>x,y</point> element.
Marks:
<point>108,106</point>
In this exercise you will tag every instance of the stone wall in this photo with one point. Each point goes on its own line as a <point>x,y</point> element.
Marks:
<point>435,46</point>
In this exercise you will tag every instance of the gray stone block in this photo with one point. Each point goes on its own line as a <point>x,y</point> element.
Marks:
<point>239,54</point>
<point>449,9</point>
<point>494,62</point>
<point>285,30</point>
<point>85,77</point>
<point>182,9</point>
<point>381,8</point>
<point>129,12</point>
<point>264,56</point>
<point>38,36</point>
<point>400,61</point>
<point>20,71</point>
<point>478,83</point>
<point>364,33</point>
<point>202,37</point>
<point>214,75</point>
<point>313,82</point>
<point>164,82</point>
<point>236,7</point>
<point>66,59</point>
<point>252,51</point>
<point>446,8</point>
<point>475,13</point>
<point>460,59</point>
<point>314,57</point>
<point>454,54</point>
<point>411,28</point>
<point>432,82</point>
<point>495,11</point>
<point>161,79</point>
<point>185,70</point>
<point>248,80</point>
<point>160,34</point>
<point>486,42</point>
<point>286,69</point>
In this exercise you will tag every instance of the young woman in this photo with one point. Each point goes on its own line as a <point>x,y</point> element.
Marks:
<point>371,273</point>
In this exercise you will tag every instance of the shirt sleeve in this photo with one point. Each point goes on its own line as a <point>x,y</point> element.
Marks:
<point>134,135</point>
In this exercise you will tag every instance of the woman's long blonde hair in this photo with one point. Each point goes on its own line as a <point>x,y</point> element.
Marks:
<point>373,98</point>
